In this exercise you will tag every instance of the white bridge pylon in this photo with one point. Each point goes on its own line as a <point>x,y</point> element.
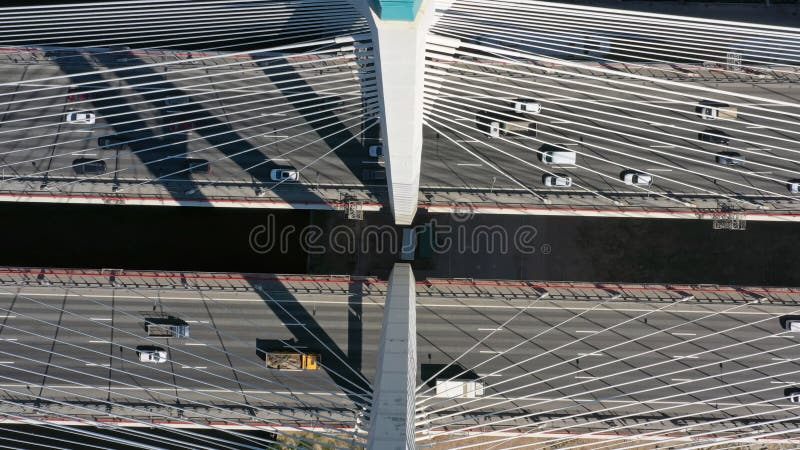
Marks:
<point>400,71</point>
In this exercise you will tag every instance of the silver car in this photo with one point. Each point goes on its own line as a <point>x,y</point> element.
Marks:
<point>557,180</point>
<point>634,178</point>
<point>284,174</point>
<point>151,354</point>
<point>80,117</point>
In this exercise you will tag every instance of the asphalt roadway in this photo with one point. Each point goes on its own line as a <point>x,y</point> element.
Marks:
<point>636,364</point>
<point>247,120</point>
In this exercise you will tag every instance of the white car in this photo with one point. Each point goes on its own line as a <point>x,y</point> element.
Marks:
<point>80,117</point>
<point>151,354</point>
<point>793,395</point>
<point>527,106</point>
<point>557,180</point>
<point>793,186</point>
<point>376,151</point>
<point>634,178</point>
<point>284,174</point>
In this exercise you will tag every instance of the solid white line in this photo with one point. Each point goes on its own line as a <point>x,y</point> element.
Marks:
<point>490,329</point>
<point>590,354</point>
<point>490,375</point>
<point>99,342</point>
<point>682,379</point>
<point>587,331</point>
<point>99,318</point>
<point>664,146</point>
<point>684,334</point>
<point>488,351</point>
<point>585,378</point>
<point>469,164</point>
<point>6,362</point>
<point>194,343</point>
<point>685,357</point>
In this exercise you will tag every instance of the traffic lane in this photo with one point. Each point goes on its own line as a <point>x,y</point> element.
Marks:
<point>690,116</point>
<point>632,156</point>
<point>155,373</point>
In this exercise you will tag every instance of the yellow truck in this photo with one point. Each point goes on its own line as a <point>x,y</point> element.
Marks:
<point>291,360</point>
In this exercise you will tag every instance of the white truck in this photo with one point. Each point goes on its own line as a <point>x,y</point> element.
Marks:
<point>459,388</point>
<point>708,110</point>
<point>496,124</point>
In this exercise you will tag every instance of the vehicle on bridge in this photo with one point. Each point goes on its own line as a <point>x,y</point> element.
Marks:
<point>557,156</point>
<point>636,178</point>
<point>711,110</point>
<point>284,175</point>
<point>792,394</point>
<point>714,136</point>
<point>376,151</point>
<point>80,117</point>
<point>730,159</point>
<point>151,354</point>
<point>495,124</point>
<point>166,327</point>
<point>292,360</point>
<point>88,166</point>
<point>793,186</point>
<point>459,388</point>
<point>527,106</point>
<point>557,180</point>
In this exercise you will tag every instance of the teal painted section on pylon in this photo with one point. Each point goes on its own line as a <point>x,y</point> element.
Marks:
<point>397,9</point>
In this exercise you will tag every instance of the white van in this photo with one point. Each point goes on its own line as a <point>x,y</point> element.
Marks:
<point>459,388</point>
<point>556,157</point>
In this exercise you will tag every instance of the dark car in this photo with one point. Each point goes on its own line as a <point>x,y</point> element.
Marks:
<point>111,143</point>
<point>714,137</point>
<point>77,96</point>
<point>730,159</point>
<point>88,166</point>
<point>198,165</point>
<point>175,127</point>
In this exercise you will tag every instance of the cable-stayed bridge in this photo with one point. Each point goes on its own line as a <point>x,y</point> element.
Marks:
<point>569,363</point>
<point>520,107</point>
<point>202,104</point>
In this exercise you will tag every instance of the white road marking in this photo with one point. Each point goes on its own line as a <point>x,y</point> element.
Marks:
<point>490,329</point>
<point>682,379</point>
<point>489,351</point>
<point>590,354</point>
<point>99,318</point>
<point>686,357</point>
<point>490,375</point>
<point>684,334</point>
<point>470,164</point>
<point>195,343</point>
<point>662,146</point>
<point>6,362</point>
<point>579,377</point>
<point>99,342</point>
<point>587,331</point>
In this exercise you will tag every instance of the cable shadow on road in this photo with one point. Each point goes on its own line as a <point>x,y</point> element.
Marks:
<point>134,132</point>
<point>220,135</point>
<point>314,109</point>
<point>308,333</point>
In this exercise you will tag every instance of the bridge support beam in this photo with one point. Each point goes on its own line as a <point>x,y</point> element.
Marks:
<point>399,29</point>
<point>392,422</point>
